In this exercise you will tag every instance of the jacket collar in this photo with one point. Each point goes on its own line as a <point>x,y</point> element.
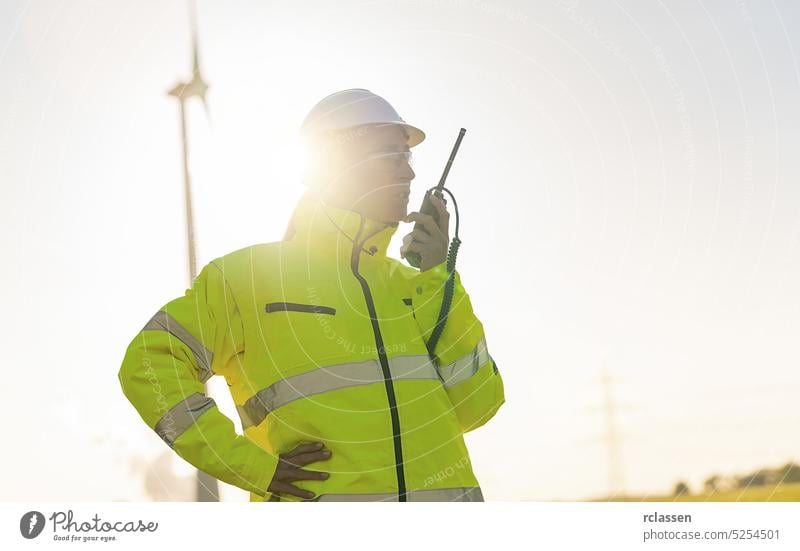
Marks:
<point>316,222</point>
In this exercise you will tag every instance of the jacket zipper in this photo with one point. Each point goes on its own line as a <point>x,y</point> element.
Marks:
<point>384,361</point>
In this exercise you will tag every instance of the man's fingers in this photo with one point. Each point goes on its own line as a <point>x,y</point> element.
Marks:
<point>302,474</point>
<point>303,459</point>
<point>289,469</point>
<point>420,236</point>
<point>304,448</point>
<point>427,222</point>
<point>286,488</point>
<point>444,216</point>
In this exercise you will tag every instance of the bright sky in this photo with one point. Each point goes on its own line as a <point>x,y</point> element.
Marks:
<point>628,188</point>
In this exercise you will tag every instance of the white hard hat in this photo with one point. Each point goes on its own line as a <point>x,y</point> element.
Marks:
<point>351,108</point>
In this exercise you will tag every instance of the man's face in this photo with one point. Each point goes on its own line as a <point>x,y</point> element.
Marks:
<point>372,172</point>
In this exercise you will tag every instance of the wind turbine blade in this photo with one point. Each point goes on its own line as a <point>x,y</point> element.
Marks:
<point>208,112</point>
<point>195,53</point>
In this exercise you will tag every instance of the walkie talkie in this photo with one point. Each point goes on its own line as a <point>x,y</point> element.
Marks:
<point>427,207</point>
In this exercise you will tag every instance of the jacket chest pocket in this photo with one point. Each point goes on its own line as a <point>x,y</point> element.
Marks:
<point>296,333</point>
<point>298,307</point>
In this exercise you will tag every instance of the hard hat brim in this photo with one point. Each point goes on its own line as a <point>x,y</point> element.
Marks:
<point>415,135</point>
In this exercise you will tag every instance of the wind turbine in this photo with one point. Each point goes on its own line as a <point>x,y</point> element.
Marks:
<point>206,485</point>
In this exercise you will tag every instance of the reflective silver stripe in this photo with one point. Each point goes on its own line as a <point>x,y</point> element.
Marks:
<point>331,377</point>
<point>164,322</point>
<point>181,416</point>
<point>436,494</point>
<point>466,366</point>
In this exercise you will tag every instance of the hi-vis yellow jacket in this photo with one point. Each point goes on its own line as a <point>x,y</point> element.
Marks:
<point>321,337</point>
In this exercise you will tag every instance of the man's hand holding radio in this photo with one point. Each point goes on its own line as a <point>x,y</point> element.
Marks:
<point>432,242</point>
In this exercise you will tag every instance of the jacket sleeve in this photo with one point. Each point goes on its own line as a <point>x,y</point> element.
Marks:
<point>164,372</point>
<point>469,373</point>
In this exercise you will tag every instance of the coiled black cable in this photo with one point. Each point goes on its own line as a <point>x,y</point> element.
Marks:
<point>449,285</point>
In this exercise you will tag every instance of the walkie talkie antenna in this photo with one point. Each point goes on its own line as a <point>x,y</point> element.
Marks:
<point>440,186</point>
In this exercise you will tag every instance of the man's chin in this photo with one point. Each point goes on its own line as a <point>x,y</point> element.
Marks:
<point>401,214</point>
<point>396,216</point>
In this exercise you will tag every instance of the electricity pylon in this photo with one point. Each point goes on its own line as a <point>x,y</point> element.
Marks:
<point>616,483</point>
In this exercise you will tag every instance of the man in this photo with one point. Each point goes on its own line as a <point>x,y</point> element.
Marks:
<point>322,339</point>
